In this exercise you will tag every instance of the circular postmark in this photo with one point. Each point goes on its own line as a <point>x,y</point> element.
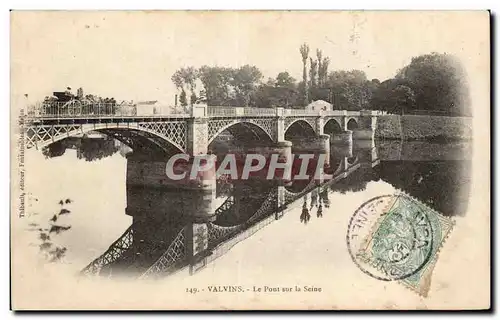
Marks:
<point>390,237</point>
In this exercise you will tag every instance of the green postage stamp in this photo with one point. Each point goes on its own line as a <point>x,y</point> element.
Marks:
<point>404,242</point>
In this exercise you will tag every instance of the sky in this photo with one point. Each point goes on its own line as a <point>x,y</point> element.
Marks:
<point>132,55</point>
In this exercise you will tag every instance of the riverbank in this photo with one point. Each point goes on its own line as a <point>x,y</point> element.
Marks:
<point>399,150</point>
<point>429,128</point>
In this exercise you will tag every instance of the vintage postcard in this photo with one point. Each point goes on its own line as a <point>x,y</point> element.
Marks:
<point>250,160</point>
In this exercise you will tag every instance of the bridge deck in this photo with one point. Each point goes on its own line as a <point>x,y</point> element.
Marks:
<point>96,112</point>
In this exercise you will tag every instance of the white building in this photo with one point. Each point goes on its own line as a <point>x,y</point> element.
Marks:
<point>319,105</point>
<point>147,108</point>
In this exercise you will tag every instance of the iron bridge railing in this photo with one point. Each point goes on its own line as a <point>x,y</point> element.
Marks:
<point>75,109</point>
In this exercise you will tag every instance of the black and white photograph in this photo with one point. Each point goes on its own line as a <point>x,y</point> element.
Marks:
<point>250,160</point>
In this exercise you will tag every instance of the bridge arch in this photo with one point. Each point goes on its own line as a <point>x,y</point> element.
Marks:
<point>332,126</point>
<point>300,123</point>
<point>133,135</point>
<point>299,128</point>
<point>239,128</point>
<point>352,124</point>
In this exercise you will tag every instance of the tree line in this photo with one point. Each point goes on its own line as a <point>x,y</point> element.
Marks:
<point>433,83</point>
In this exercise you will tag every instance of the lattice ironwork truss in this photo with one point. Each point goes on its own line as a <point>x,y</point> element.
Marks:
<point>269,126</point>
<point>291,120</point>
<point>176,252</point>
<point>114,252</point>
<point>41,135</point>
<point>175,131</point>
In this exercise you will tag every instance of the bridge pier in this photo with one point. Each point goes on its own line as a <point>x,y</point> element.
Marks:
<point>367,152</point>
<point>362,134</point>
<point>343,150</point>
<point>282,148</point>
<point>367,126</point>
<point>197,130</point>
<point>153,192</point>
<point>197,245</point>
<point>162,207</point>
<point>319,144</point>
<point>344,137</point>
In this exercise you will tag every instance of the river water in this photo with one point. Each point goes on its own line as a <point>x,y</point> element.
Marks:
<point>93,196</point>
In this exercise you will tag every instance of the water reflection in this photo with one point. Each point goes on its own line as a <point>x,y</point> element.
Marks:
<point>436,174</point>
<point>246,197</point>
<point>442,185</point>
<point>89,147</point>
<point>305,216</point>
<point>324,197</point>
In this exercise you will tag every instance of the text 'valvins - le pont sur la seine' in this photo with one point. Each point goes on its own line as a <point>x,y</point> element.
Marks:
<point>256,289</point>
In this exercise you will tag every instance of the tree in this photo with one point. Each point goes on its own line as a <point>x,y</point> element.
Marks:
<point>183,98</point>
<point>193,98</point>
<point>271,96</point>
<point>405,98</point>
<point>313,72</point>
<point>393,95</point>
<point>185,78</point>
<point>216,82</point>
<point>270,82</point>
<point>439,83</point>
<point>321,91</point>
<point>189,76</point>
<point>351,88</point>
<point>372,87</point>
<point>284,80</point>
<point>431,82</point>
<point>319,55</point>
<point>245,81</point>
<point>279,92</point>
<point>383,97</point>
<point>177,79</point>
<point>323,71</point>
<point>304,51</point>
